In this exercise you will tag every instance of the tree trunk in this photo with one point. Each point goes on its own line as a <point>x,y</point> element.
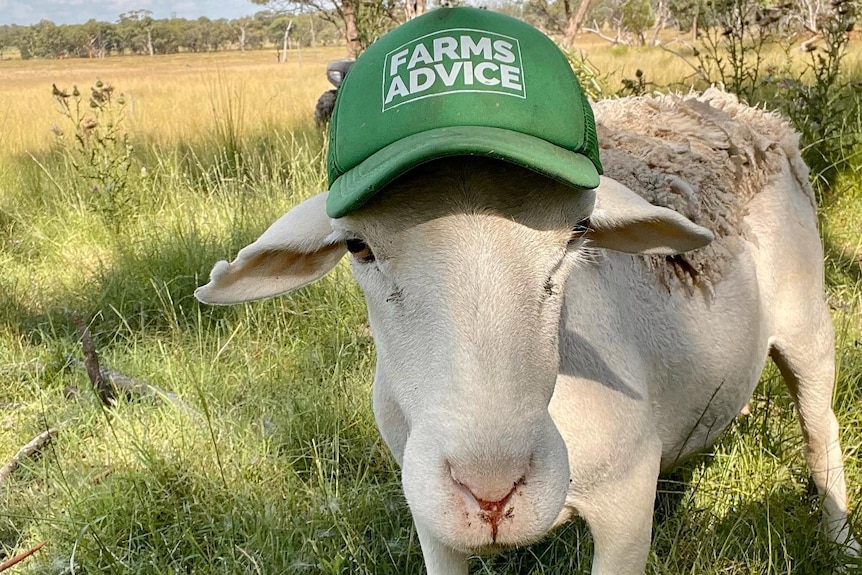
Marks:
<point>150,41</point>
<point>313,33</point>
<point>242,38</point>
<point>285,42</point>
<point>575,24</point>
<point>351,32</point>
<point>414,8</point>
<point>659,23</point>
<point>694,22</point>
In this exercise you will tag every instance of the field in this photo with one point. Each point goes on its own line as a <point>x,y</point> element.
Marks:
<point>266,458</point>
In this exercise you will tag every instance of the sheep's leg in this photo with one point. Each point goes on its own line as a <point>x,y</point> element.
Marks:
<point>807,363</point>
<point>439,558</point>
<point>620,515</point>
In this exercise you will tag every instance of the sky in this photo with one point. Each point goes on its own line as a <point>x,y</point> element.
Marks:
<point>79,11</point>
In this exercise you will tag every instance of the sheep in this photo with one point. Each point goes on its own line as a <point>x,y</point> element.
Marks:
<point>587,434</point>
<point>544,351</point>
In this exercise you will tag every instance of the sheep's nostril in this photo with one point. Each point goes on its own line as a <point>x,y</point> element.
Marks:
<point>496,507</point>
<point>491,512</point>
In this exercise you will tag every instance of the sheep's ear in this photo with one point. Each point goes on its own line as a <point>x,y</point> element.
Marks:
<point>625,222</point>
<point>295,251</point>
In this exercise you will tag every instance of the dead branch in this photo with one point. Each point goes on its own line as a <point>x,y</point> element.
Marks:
<point>595,30</point>
<point>697,69</point>
<point>808,44</point>
<point>31,448</point>
<point>130,387</point>
<point>109,383</point>
<point>20,557</point>
<point>102,385</point>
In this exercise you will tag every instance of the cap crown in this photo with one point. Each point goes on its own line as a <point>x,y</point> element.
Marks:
<point>459,67</point>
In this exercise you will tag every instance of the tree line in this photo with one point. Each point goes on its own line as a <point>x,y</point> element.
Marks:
<point>640,21</point>
<point>357,23</point>
<point>137,32</point>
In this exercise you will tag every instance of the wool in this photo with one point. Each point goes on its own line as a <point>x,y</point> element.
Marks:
<point>704,155</point>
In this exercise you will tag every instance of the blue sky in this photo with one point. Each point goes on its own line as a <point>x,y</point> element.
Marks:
<point>79,11</point>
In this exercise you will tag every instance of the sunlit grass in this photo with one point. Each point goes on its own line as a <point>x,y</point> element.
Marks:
<point>171,98</point>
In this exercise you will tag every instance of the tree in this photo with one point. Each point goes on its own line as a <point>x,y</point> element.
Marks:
<point>11,36</point>
<point>168,35</point>
<point>688,15</point>
<point>99,38</point>
<point>136,31</point>
<point>361,22</point>
<point>575,23</point>
<point>43,40</point>
<point>414,8</point>
<point>242,26</point>
<point>283,8</point>
<point>637,18</point>
<point>557,18</point>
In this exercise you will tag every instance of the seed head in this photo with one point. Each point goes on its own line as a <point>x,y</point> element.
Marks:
<point>57,92</point>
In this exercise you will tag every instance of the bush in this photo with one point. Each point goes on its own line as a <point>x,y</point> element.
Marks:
<point>820,101</point>
<point>97,148</point>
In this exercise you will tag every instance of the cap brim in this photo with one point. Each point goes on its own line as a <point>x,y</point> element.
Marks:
<point>352,189</point>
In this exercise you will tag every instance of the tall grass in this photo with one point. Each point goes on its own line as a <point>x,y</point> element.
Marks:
<point>272,463</point>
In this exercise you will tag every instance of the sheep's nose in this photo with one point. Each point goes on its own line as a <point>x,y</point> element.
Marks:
<point>493,509</point>
<point>488,493</point>
<point>490,499</point>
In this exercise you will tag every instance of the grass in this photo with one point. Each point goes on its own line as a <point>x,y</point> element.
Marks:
<point>275,465</point>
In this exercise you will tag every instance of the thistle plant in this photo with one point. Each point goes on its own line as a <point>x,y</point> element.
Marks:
<point>636,86</point>
<point>827,107</point>
<point>732,52</point>
<point>823,104</point>
<point>97,147</point>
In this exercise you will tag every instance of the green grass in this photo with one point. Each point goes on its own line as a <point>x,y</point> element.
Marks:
<point>273,463</point>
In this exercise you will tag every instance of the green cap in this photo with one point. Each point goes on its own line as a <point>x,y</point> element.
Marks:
<point>458,81</point>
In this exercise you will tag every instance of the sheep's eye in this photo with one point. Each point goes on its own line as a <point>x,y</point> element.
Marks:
<point>579,230</point>
<point>360,250</point>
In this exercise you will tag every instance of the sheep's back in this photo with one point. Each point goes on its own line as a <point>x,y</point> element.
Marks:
<point>703,155</point>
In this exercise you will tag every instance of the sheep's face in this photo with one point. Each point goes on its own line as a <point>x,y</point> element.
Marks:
<point>463,265</point>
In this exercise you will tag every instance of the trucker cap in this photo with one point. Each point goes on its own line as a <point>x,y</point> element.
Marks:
<point>458,81</point>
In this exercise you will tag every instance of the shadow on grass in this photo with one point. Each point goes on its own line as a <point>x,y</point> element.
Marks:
<point>152,274</point>
<point>150,280</point>
<point>145,290</point>
<point>776,533</point>
<point>167,515</point>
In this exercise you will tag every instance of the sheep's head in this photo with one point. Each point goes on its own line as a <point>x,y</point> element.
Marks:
<point>463,264</point>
